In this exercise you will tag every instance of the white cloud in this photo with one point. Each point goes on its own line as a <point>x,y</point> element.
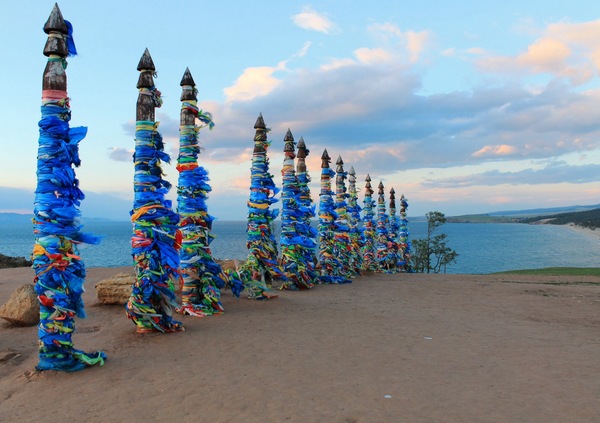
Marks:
<point>337,63</point>
<point>372,56</point>
<point>311,20</point>
<point>495,150</point>
<point>413,43</point>
<point>254,82</point>
<point>566,50</point>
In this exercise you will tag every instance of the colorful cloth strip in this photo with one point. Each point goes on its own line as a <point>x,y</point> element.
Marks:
<point>355,230</point>
<point>202,276</point>
<point>59,271</point>
<point>329,264</point>
<point>156,237</point>
<point>295,247</point>
<point>368,235</point>
<point>261,267</point>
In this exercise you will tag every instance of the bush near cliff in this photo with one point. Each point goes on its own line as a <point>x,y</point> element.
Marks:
<point>7,262</point>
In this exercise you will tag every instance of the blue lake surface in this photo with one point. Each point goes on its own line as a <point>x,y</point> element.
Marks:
<point>482,247</point>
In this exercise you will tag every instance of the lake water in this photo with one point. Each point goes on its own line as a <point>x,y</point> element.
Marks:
<point>482,247</point>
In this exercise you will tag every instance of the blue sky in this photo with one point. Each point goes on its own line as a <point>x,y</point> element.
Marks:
<point>463,106</point>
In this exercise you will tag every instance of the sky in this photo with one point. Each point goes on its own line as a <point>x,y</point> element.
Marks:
<point>464,107</point>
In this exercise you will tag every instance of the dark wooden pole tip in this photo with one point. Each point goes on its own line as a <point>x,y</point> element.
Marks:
<point>146,62</point>
<point>56,22</point>
<point>302,150</point>
<point>260,123</point>
<point>288,136</point>
<point>187,78</point>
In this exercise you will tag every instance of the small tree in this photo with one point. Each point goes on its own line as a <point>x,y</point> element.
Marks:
<point>432,253</point>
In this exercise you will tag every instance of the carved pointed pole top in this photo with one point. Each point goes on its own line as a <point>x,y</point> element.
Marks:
<point>289,148</point>
<point>325,159</point>
<point>188,91</point>
<point>56,44</point>
<point>351,175</point>
<point>146,69</point>
<point>392,200</point>
<point>288,136</point>
<point>380,188</point>
<point>302,150</point>
<point>56,22</point>
<point>187,79</point>
<point>149,97</point>
<point>187,116</point>
<point>260,137</point>
<point>55,77</point>
<point>340,164</point>
<point>368,189</point>
<point>368,185</point>
<point>301,155</point>
<point>146,63</point>
<point>260,123</point>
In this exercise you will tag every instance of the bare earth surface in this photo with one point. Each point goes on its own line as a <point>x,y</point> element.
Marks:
<point>386,348</point>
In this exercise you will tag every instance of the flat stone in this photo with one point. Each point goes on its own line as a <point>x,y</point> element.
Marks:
<point>115,290</point>
<point>22,308</point>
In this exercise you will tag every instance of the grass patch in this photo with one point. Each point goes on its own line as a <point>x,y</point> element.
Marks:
<point>556,271</point>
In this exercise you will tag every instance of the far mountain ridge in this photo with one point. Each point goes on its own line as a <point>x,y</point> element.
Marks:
<point>585,216</point>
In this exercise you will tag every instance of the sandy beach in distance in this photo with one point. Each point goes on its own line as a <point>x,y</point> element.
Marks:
<point>595,233</point>
<point>386,348</point>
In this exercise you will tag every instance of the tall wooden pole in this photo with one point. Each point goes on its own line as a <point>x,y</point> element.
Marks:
<point>293,259</point>
<point>404,244</point>
<point>382,254</point>
<point>368,235</point>
<point>329,263</point>
<point>202,276</point>
<point>394,228</point>
<point>342,243</point>
<point>261,267</point>
<point>353,223</point>
<point>304,227</point>
<point>59,271</point>
<point>156,238</point>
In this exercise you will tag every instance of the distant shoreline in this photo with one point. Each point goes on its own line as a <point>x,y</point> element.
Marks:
<point>586,231</point>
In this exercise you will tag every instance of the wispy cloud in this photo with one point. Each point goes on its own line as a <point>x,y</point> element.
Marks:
<point>495,150</point>
<point>312,20</point>
<point>120,154</point>
<point>553,173</point>
<point>567,50</point>
<point>409,43</point>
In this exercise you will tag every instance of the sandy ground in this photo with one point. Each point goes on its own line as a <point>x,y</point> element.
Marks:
<point>386,348</point>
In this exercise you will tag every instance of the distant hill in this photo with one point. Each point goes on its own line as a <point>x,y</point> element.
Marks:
<point>545,211</point>
<point>15,218</point>
<point>95,205</point>
<point>585,216</point>
<point>12,218</point>
<point>587,219</point>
